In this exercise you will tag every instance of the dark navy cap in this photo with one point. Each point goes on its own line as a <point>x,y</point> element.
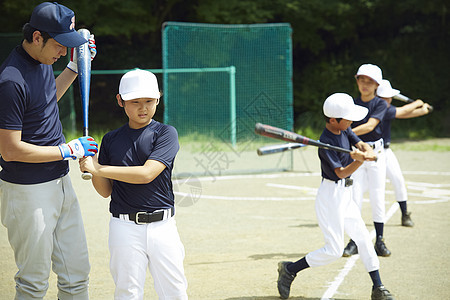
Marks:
<point>58,21</point>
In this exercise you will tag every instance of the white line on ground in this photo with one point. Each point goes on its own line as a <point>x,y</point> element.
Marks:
<point>231,177</point>
<point>278,175</point>
<point>181,194</point>
<point>293,187</point>
<point>332,289</point>
<point>426,173</point>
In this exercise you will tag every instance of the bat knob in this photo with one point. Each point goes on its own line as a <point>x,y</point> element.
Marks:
<point>259,128</point>
<point>86,176</point>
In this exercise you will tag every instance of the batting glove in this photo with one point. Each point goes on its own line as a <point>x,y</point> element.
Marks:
<point>72,65</point>
<point>78,148</point>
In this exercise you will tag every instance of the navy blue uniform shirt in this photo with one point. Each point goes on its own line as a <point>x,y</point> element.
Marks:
<point>133,147</point>
<point>388,117</point>
<point>377,109</point>
<point>28,103</point>
<point>330,159</point>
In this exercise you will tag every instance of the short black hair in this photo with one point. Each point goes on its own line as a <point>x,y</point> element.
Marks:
<point>28,31</point>
<point>327,119</point>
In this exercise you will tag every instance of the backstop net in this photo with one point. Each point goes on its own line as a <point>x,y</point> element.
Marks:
<point>218,81</point>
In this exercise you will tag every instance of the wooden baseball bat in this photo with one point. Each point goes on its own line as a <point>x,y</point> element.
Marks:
<point>84,79</point>
<point>278,148</point>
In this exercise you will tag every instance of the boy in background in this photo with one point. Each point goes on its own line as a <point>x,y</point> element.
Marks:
<point>134,167</point>
<point>393,172</point>
<point>371,175</point>
<point>335,209</point>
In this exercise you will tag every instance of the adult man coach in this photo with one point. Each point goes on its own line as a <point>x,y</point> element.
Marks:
<point>39,207</point>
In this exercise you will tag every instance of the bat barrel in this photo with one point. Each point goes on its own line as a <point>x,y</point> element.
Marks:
<point>403,98</point>
<point>84,75</point>
<point>278,148</point>
<point>281,134</point>
<point>84,79</point>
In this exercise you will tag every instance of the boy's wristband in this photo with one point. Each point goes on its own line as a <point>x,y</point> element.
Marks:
<point>65,152</point>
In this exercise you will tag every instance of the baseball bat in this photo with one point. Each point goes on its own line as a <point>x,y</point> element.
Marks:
<point>406,99</point>
<point>281,134</point>
<point>278,148</point>
<point>84,79</point>
<point>403,98</point>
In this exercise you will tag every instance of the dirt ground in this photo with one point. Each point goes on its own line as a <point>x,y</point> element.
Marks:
<point>236,228</point>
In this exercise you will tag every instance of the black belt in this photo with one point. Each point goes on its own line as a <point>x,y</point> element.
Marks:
<point>386,146</point>
<point>347,181</point>
<point>144,217</point>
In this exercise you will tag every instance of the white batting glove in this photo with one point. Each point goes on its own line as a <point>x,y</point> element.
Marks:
<point>72,65</point>
<point>78,148</point>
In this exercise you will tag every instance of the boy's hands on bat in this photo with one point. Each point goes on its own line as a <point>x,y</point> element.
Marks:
<point>363,156</point>
<point>89,164</point>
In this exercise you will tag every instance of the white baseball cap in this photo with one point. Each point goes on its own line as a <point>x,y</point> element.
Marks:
<point>371,71</point>
<point>139,84</point>
<point>341,105</point>
<point>385,90</point>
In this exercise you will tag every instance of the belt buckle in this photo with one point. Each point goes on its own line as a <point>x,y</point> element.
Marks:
<point>348,182</point>
<point>137,217</point>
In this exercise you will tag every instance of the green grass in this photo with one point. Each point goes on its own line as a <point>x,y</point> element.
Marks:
<point>433,145</point>
<point>97,135</point>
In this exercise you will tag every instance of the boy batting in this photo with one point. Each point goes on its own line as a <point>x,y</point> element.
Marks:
<point>335,209</point>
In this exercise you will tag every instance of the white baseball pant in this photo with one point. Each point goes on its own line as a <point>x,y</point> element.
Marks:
<point>395,176</point>
<point>338,213</point>
<point>371,175</point>
<point>157,246</point>
<point>46,231</point>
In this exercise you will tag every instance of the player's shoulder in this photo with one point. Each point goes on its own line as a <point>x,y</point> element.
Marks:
<point>115,133</point>
<point>326,136</point>
<point>162,128</point>
<point>391,109</point>
<point>380,101</point>
<point>12,75</point>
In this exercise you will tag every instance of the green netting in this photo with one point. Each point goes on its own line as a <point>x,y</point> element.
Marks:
<point>200,102</point>
<point>215,111</point>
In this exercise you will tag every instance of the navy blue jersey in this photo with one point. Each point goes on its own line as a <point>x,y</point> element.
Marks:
<point>28,103</point>
<point>377,109</point>
<point>388,117</point>
<point>330,159</point>
<point>133,147</point>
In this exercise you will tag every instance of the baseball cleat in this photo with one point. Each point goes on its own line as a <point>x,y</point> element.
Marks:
<point>380,248</point>
<point>381,293</point>
<point>350,249</point>
<point>285,279</point>
<point>406,220</point>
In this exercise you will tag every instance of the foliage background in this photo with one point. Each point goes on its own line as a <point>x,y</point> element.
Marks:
<point>408,39</point>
